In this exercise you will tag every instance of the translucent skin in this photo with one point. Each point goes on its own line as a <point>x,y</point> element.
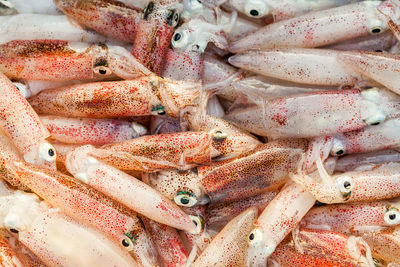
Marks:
<point>263,169</point>
<point>10,257</point>
<point>91,131</point>
<point>322,248</point>
<point>151,44</point>
<point>57,60</point>
<point>20,122</point>
<point>157,152</point>
<point>110,18</point>
<point>9,154</point>
<point>349,218</point>
<point>142,96</point>
<point>168,242</point>
<point>289,116</point>
<point>365,185</point>
<point>52,231</point>
<point>229,247</point>
<point>278,219</point>
<point>126,189</point>
<point>315,29</point>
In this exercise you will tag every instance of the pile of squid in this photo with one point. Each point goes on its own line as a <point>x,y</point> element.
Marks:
<point>199,133</point>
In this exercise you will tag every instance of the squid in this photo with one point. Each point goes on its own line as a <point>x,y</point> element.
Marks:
<point>86,205</point>
<point>289,116</point>
<point>91,131</point>
<point>126,189</point>
<point>229,247</point>
<point>147,95</point>
<point>278,219</point>
<point>57,60</point>
<point>182,150</point>
<point>56,238</point>
<point>318,28</point>
<point>354,218</point>
<point>22,125</point>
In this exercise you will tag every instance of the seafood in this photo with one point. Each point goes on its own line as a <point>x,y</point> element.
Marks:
<point>353,217</point>
<point>182,150</point>
<point>318,28</point>
<point>87,205</point>
<point>57,60</point>
<point>35,7</point>
<point>378,183</point>
<point>126,189</point>
<point>168,242</point>
<point>46,27</point>
<point>281,10</point>
<point>23,126</point>
<point>322,248</point>
<point>229,247</point>
<point>147,95</point>
<point>366,160</point>
<point>287,116</point>
<point>31,219</point>
<point>280,217</point>
<point>91,131</point>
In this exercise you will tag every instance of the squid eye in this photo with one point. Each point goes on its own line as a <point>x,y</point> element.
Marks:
<point>148,10</point>
<point>345,186</point>
<point>199,222</point>
<point>173,18</point>
<point>127,243</point>
<point>158,110</point>
<point>337,148</point>
<point>185,199</point>
<point>102,70</point>
<point>376,119</point>
<point>255,237</point>
<point>15,231</point>
<point>180,39</point>
<point>256,9</point>
<point>376,30</point>
<point>392,216</point>
<point>6,3</point>
<point>219,136</point>
<point>47,152</point>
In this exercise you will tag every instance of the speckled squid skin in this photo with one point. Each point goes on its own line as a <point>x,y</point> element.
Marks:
<point>9,257</point>
<point>126,189</point>
<point>237,142</point>
<point>322,248</point>
<point>157,152</point>
<point>152,43</point>
<point>9,154</point>
<point>219,214</point>
<point>381,67</point>
<point>385,244</point>
<point>56,239</point>
<point>352,218</point>
<point>375,184</point>
<point>20,122</point>
<point>278,219</point>
<point>168,242</point>
<point>289,116</point>
<point>171,182</point>
<point>44,60</point>
<point>146,95</point>
<point>183,65</point>
<point>263,169</point>
<point>386,135</point>
<point>91,131</point>
<point>229,247</point>
<point>78,200</point>
<point>56,60</point>
<point>111,18</point>
<point>316,29</point>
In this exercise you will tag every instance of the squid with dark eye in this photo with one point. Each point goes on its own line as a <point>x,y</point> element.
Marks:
<point>369,185</point>
<point>168,13</point>
<point>392,216</point>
